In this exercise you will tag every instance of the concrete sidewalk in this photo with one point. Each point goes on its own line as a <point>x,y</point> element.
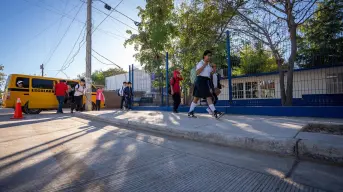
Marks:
<point>280,135</point>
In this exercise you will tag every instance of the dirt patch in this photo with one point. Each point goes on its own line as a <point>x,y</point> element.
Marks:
<point>323,128</point>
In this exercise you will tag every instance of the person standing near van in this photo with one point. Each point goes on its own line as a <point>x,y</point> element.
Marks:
<point>100,97</point>
<point>78,96</point>
<point>175,89</point>
<point>121,94</point>
<point>61,89</point>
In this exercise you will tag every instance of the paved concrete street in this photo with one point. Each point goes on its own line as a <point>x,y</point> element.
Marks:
<point>50,152</point>
<point>280,135</point>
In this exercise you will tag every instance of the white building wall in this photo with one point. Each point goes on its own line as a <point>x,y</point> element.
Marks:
<point>304,82</point>
<point>141,80</point>
<point>116,82</point>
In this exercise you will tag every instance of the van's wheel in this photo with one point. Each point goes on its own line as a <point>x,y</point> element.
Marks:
<point>23,109</point>
<point>31,111</point>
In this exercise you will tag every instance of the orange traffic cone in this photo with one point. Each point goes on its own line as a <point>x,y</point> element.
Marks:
<point>18,114</point>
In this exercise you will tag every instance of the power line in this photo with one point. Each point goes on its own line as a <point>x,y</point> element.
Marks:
<point>63,35</point>
<point>65,7</point>
<point>100,60</point>
<point>108,15</point>
<point>89,32</point>
<point>65,15</point>
<point>108,7</point>
<point>47,28</point>
<point>66,61</point>
<point>106,59</point>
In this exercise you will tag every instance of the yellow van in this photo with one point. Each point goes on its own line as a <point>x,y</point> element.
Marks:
<point>36,94</point>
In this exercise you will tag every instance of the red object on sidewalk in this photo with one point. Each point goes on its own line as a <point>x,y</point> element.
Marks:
<point>18,114</point>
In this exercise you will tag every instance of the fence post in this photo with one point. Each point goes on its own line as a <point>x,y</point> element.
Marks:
<point>129,73</point>
<point>132,77</point>
<point>229,75</point>
<point>167,79</point>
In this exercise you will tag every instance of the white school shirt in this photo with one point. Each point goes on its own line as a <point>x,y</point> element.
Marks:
<point>121,91</point>
<point>207,70</point>
<point>79,90</point>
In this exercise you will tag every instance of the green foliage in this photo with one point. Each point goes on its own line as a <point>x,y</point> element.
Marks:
<point>2,76</point>
<point>154,34</point>
<point>202,26</point>
<point>99,76</point>
<point>321,39</point>
<point>254,60</point>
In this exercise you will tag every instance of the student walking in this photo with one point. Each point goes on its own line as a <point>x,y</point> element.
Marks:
<point>61,89</point>
<point>216,86</point>
<point>128,95</point>
<point>121,94</point>
<point>175,89</point>
<point>202,86</point>
<point>78,96</point>
<point>100,97</point>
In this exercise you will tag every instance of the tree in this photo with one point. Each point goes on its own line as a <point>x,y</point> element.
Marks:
<point>201,26</point>
<point>255,60</point>
<point>99,76</point>
<point>2,76</point>
<point>320,38</point>
<point>267,21</point>
<point>154,34</point>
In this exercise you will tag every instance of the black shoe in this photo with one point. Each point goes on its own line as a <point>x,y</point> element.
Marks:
<point>175,111</point>
<point>218,114</point>
<point>191,114</point>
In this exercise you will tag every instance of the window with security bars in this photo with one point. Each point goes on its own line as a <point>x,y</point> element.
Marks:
<point>251,90</point>
<point>237,90</point>
<point>334,83</point>
<point>267,89</point>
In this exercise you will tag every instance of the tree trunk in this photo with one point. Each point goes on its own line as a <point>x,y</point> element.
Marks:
<point>282,82</point>
<point>291,60</point>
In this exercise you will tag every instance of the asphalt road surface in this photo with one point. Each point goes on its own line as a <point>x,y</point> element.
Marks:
<point>50,152</point>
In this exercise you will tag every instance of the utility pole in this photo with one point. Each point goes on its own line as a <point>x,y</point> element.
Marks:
<point>42,68</point>
<point>89,57</point>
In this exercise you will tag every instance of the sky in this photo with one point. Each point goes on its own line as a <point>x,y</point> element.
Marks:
<point>31,32</point>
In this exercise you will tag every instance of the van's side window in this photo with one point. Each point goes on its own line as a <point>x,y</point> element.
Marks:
<point>72,83</point>
<point>42,84</point>
<point>25,82</point>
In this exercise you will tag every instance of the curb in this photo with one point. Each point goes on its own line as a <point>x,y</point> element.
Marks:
<point>316,150</point>
<point>276,146</point>
<point>304,149</point>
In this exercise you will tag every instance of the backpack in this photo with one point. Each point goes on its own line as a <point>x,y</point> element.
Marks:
<point>193,75</point>
<point>169,87</point>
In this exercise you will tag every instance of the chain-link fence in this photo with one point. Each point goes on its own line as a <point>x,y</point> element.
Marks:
<point>256,78</point>
<point>254,75</point>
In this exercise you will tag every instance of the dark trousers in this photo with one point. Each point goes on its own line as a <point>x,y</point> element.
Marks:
<point>128,101</point>
<point>77,103</point>
<point>177,100</point>
<point>122,102</point>
<point>98,102</point>
<point>60,100</point>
